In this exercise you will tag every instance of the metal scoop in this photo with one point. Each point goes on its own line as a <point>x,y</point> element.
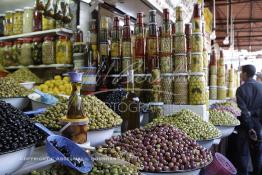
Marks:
<point>46,98</point>
<point>75,151</point>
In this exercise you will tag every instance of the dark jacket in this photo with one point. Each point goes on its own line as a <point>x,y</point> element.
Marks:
<point>249,100</point>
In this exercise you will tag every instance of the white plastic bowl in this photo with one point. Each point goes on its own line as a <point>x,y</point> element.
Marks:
<point>11,162</point>
<point>207,143</point>
<point>28,85</point>
<point>226,130</point>
<point>17,102</point>
<point>98,137</point>
<point>36,102</point>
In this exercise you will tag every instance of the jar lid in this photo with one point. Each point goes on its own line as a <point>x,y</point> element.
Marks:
<point>19,41</point>
<point>180,74</point>
<point>37,39</point>
<point>196,53</point>
<point>155,104</point>
<point>27,40</point>
<point>49,38</point>
<point>29,8</point>
<point>19,10</point>
<point>180,54</point>
<point>197,33</point>
<point>197,74</point>
<point>62,37</point>
<point>2,43</point>
<point>8,43</point>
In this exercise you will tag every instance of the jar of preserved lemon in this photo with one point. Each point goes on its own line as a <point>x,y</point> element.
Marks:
<point>180,88</point>
<point>63,50</point>
<point>8,27</point>
<point>48,23</point>
<point>26,52</point>
<point>197,89</point>
<point>221,93</point>
<point>212,92</point>
<point>28,19</point>
<point>18,21</point>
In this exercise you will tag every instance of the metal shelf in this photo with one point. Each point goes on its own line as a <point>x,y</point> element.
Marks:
<point>42,66</point>
<point>61,31</point>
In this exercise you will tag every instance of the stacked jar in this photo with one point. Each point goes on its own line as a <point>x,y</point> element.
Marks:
<point>231,82</point>
<point>18,22</point>
<point>213,74</point>
<point>48,50</point>
<point>221,78</point>
<point>188,32</point>
<point>26,52</point>
<point>64,50</point>
<point>180,56</point>
<point>28,17</point>
<point>8,24</point>
<point>197,81</point>
<point>2,45</point>
<point>155,85</point>
<point>79,51</point>
<point>180,88</point>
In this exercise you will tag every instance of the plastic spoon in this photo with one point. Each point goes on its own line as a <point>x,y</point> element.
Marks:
<point>46,98</point>
<point>75,151</point>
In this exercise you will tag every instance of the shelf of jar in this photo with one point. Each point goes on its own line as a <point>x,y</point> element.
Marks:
<point>42,66</point>
<point>61,31</point>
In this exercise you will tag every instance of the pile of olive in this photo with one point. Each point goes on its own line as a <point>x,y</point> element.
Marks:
<point>162,148</point>
<point>99,114</point>
<point>222,118</point>
<point>190,123</point>
<point>11,88</point>
<point>24,75</point>
<point>16,130</point>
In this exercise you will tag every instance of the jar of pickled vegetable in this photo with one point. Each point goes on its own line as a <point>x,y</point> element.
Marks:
<point>221,81</point>
<point>8,23</point>
<point>76,131</point>
<point>221,92</point>
<point>2,53</point>
<point>48,50</point>
<point>180,44</point>
<point>206,76</point>
<point>180,63</point>
<point>166,64</point>
<point>8,54</point>
<point>37,50</point>
<point>197,42</point>
<point>196,62</point>
<point>18,22</point>
<point>48,23</point>
<point>28,19</point>
<point>213,80</point>
<point>207,97</point>
<point>156,110</point>
<point>63,50</point>
<point>167,88</point>
<point>26,52</point>
<point>205,59</point>
<point>197,89</point>
<point>213,92</point>
<point>230,93</point>
<point>19,43</point>
<point>38,15</point>
<point>180,88</point>
<point>2,27</point>
<point>14,60</point>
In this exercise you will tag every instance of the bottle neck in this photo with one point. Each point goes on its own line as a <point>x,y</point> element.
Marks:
<point>130,81</point>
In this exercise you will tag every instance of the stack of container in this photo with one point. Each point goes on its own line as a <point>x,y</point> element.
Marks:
<point>197,82</point>
<point>231,82</point>
<point>213,74</point>
<point>180,60</point>
<point>221,78</point>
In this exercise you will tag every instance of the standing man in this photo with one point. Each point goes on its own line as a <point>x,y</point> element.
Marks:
<point>249,138</point>
<point>259,77</point>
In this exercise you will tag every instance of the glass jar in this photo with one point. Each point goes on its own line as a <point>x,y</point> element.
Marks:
<point>180,63</point>
<point>212,92</point>
<point>8,54</point>
<point>76,131</point>
<point>156,110</point>
<point>28,19</point>
<point>207,97</point>
<point>63,50</point>
<point>167,88</point>
<point>197,90</point>
<point>180,44</point>
<point>48,50</point>
<point>221,81</point>
<point>38,15</point>
<point>14,60</point>
<point>19,43</point>
<point>18,22</point>
<point>213,80</point>
<point>48,23</point>
<point>180,88</point>
<point>8,23</point>
<point>196,62</point>
<point>166,64</point>
<point>197,42</point>
<point>221,92</point>
<point>26,52</point>
<point>2,26</point>
<point>205,59</point>
<point>37,51</point>
<point>139,80</point>
<point>230,93</point>
<point>155,85</point>
<point>2,47</point>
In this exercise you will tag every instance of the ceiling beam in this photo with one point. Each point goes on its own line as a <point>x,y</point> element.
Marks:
<point>236,2</point>
<point>247,21</point>
<point>243,36</point>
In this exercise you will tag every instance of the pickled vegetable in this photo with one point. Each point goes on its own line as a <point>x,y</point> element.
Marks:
<point>180,89</point>
<point>180,44</point>
<point>196,62</point>
<point>197,89</point>
<point>197,42</point>
<point>166,64</point>
<point>221,93</point>
<point>212,92</point>
<point>180,63</point>
<point>166,88</point>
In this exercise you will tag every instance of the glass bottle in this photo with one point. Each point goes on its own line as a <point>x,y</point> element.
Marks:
<point>59,13</point>
<point>116,48</point>
<point>166,44</point>
<point>126,45</point>
<point>75,107</point>
<point>130,111</point>
<point>79,35</point>
<point>40,5</point>
<point>38,14</point>
<point>139,58</point>
<point>90,56</point>
<point>50,10</point>
<point>37,51</point>
<point>63,50</point>
<point>152,61</point>
<point>197,18</point>
<point>213,66</point>
<point>67,14</point>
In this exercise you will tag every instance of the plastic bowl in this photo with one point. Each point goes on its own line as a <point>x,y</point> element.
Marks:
<point>207,143</point>
<point>17,102</point>
<point>28,85</point>
<point>226,130</point>
<point>98,137</point>
<point>36,102</point>
<point>12,161</point>
<point>220,166</point>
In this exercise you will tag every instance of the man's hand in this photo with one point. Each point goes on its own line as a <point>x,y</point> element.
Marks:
<point>252,134</point>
